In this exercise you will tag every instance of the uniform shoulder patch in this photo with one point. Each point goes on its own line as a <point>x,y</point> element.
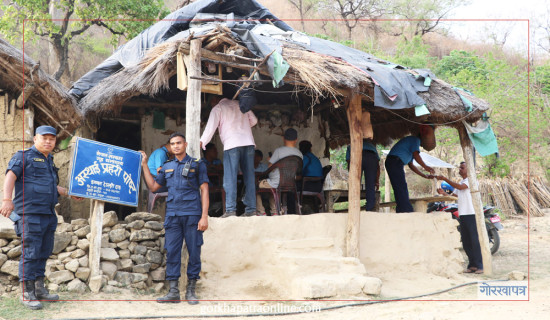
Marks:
<point>38,160</point>
<point>168,170</point>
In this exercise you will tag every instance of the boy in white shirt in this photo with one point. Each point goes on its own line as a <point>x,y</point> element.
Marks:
<point>467,220</point>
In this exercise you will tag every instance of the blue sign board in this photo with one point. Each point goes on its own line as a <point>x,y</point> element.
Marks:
<point>105,172</point>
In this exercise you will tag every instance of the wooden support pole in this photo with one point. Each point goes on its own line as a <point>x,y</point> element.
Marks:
<point>476,199</point>
<point>354,198</point>
<point>193,102</point>
<point>96,228</point>
<point>387,187</point>
<point>25,95</point>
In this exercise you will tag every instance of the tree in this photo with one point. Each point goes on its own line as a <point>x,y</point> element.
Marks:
<point>419,17</point>
<point>60,21</point>
<point>303,7</point>
<point>355,11</point>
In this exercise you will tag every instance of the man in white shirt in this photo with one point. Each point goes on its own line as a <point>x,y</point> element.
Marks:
<point>290,139</point>
<point>467,220</point>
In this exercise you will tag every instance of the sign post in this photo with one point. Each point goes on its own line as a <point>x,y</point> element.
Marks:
<point>104,173</point>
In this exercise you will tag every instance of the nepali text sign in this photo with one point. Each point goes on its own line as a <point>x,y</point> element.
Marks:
<point>105,172</point>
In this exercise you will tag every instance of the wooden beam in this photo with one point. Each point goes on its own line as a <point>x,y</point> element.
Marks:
<point>477,202</point>
<point>24,96</point>
<point>193,102</point>
<point>96,227</point>
<point>354,183</point>
<point>228,81</point>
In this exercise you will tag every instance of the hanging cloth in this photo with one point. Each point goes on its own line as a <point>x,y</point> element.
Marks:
<point>482,137</point>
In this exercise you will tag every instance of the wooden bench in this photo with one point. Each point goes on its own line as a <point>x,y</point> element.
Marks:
<point>421,204</point>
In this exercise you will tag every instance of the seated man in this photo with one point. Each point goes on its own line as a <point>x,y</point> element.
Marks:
<point>311,168</point>
<point>290,140</point>
<point>259,166</point>
<point>210,157</point>
<point>157,159</point>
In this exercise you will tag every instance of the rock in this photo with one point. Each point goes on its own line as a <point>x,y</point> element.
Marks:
<point>95,283</point>
<point>64,228</point>
<point>141,268</point>
<point>138,258</point>
<point>113,283</point>
<point>3,243</point>
<point>124,264</point>
<point>83,244</point>
<point>15,252</point>
<point>158,287</point>
<point>139,285</point>
<point>104,240</point>
<point>109,219</point>
<point>119,226</point>
<point>80,222</point>
<point>7,233</point>
<point>82,232</point>
<point>154,266</point>
<point>161,244</point>
<point>15,242</point>
<point>140,250</point>
<point>123,244</point>
<point>74,240</point>
<point>154,257</point>
<point>145,216</point>
<point>52,287</point>
<point>144,234</point>
<point>63,255</point>
<point>72,265</point>
<point>516,275</point>
<point>59,217</point>
<point>3,258</point>
<point>109,254</point>
<point>124,254</point>
<point>61,242</point>
<point>149,244</point>
<point>132,246</point>
<point>60,267</point>
<point>109,269</point>
<point>110,289</point>
<point>136,225</point>
<point>78,253</point>
<point>77,286</point>
<point>82,273</point>
<point>11,267</point>
<point>83,261</point>
<point>70,248</point>
<point>118,235</point>
<point>158,274</point>
<point>127,278</point>
<point>59,277</point>
<point>372,286</point>
<point>153,225</point>
<point>106,229</point>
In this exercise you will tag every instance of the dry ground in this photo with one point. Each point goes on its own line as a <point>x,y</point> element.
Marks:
<point>512,256</point>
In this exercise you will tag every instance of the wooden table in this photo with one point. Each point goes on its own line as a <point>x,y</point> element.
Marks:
<point>421,204</point>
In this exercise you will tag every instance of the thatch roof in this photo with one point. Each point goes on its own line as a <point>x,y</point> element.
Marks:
<point>52,104</point>
<point>324,78</point>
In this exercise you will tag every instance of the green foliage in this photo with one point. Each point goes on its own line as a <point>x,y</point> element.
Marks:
<point>496,167</point>
<point>542,78</point>
<point>464,69</point>
<point>338,157</point>
<point>413,54</point>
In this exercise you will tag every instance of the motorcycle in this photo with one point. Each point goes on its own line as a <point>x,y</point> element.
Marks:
<point>492,220</point>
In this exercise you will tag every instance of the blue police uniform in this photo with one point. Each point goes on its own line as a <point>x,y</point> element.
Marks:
<point>183,212</point>
<point>35,200</point>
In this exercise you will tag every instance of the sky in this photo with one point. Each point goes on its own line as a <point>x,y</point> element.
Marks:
<point>518,32</point>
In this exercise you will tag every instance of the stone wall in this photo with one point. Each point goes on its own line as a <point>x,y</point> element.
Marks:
<point>131,255</point>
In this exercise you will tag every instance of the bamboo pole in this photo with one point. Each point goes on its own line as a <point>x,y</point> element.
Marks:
<point>354,198</point>
<point>193,102</point>
<point>476,199</point>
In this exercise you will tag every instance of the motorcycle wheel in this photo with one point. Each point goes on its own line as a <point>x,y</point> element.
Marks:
<point>494,239</point>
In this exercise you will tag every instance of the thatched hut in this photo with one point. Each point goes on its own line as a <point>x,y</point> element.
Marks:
<point>29,98</point>
<point>327,86</point>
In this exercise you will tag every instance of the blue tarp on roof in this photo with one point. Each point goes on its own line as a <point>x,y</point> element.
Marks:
<point>394,87</point>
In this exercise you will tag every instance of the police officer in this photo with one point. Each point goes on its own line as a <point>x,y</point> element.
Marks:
<point>34,176</point>
<point>186,214</point>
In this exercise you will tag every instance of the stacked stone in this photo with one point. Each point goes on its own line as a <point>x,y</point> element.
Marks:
<point>132,252</point>
<point>131,255</point>
<point>10,253</point>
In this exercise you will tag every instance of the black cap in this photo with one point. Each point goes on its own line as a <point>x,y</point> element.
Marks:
<point>291,134</point>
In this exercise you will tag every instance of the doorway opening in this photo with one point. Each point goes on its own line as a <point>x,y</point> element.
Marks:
<point>126,134</point>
